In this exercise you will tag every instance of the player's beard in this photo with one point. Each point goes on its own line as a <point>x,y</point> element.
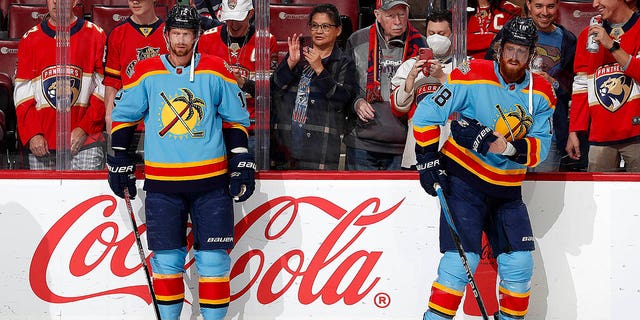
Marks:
<point>181,52</point>
<point>511,72</point>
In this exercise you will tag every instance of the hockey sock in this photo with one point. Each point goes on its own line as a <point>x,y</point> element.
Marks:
<point>215,293</point>
<point>447,290</point>
<point>515,270</point>
<point>168,267</point>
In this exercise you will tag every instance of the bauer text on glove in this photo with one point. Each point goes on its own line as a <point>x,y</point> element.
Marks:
<point>122,174</point>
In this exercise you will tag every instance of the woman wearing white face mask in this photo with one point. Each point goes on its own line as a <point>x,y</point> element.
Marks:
<point>416,78</point>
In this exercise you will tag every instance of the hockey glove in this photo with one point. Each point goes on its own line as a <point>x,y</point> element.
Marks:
<point>471,134</point>
<point>431,172</point>
<point>122,174</point>
<point>242,170</point>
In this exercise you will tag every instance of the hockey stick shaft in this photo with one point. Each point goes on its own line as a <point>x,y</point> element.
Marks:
<point>463,255</point>
<point>127,201</point>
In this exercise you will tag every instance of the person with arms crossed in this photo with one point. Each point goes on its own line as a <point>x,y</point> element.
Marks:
<point>35,92</point>
<point>137,38</point>
<point>235,42</point>
<point>606,90</point>
<point>196,162</point>
<point>375,138</point>
<point>554,59</point>
<point>312,90</point>
<point>416,78</point>
<point>504,128</point>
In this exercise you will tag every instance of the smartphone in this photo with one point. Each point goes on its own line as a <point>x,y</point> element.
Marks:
<point>425,54</point>
<point>304,41</point>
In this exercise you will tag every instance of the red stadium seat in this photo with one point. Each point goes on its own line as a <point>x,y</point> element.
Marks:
<point>288,19</point>
<point>23,17</point>
<point>88,4</point>
<point>345,7</point>
<point>8,57</point>
<point>575,16</point>
<point>107,17</point>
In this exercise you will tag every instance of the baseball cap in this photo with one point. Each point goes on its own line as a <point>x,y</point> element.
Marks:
<point>235,9</point>
<point>388,4</point>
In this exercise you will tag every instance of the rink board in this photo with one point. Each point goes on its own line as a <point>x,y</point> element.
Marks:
<point>311,249</point>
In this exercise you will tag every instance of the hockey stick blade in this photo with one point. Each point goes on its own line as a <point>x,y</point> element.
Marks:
<point>463,255</point>
<point>127,201</point>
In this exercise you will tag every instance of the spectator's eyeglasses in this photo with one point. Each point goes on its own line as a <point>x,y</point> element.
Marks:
<point>325,27</point>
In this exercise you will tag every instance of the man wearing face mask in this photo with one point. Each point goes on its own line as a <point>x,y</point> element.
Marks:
<point>375,138</point>
<point>417,78</point>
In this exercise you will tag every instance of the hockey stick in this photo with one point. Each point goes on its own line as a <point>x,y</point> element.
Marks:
<point>463,256</point>
<point>127,201</point>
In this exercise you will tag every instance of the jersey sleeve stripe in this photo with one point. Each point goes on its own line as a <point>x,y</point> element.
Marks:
<point>426,135</point>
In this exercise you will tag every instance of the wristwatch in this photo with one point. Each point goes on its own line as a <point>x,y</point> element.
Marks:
<point>615,46</point>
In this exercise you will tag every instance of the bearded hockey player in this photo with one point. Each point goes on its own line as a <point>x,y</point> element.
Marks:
<point>505,128</point>
<point>195,115</point>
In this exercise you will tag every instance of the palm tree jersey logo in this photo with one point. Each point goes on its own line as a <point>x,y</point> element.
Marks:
<point>181,115</point>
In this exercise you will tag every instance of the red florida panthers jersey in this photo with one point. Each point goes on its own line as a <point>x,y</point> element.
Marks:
<point>240,57</point>
<point>129,43</point>
<point>483,26</point>
<point>606,98</point>
<point>35,86</point>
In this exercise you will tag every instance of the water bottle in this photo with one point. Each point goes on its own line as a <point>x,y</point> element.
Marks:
<point>592,45</point>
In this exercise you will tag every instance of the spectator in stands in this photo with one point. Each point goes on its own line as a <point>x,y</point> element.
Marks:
<point>412,82</point>
<point>375,138</point>
<point>606,90</point>
<point>235,42</point>
<point>35,92</point>
<point>312,90</point>
<point>553,60</point>
<point>484,21</point>
<point>207,10</point>
<point>137,38</point>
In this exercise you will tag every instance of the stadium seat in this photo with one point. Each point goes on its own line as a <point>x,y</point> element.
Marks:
<point>289,19</point>
<point>23,17</point>
<point>107,17</point>
<point>8,57</point>
<point>575,15</point>
<point>346,8</point>
<point>88,4</point>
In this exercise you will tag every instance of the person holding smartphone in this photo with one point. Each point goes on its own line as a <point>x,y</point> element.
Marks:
<point>311,91</point>
<point>422,75</point>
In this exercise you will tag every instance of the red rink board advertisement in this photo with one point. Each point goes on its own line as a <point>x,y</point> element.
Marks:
<point>311,249</point>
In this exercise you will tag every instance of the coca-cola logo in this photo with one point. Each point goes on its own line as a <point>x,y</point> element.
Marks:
<point>337,255</point>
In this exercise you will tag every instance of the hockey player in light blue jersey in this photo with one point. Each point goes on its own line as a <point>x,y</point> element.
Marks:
<point>505,128</point>
<point>196,162</point>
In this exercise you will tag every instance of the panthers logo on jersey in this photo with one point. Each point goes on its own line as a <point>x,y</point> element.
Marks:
<point>612,86</point>
<point>49,83</point>
<point>514,124</point>
<point>181,115</point>
<point>141,54</point>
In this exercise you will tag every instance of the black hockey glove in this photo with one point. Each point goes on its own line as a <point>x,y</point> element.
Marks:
<point>242,170</point>
<point>122,174</point>
<point>471,134</point>
<point>431,172</point>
